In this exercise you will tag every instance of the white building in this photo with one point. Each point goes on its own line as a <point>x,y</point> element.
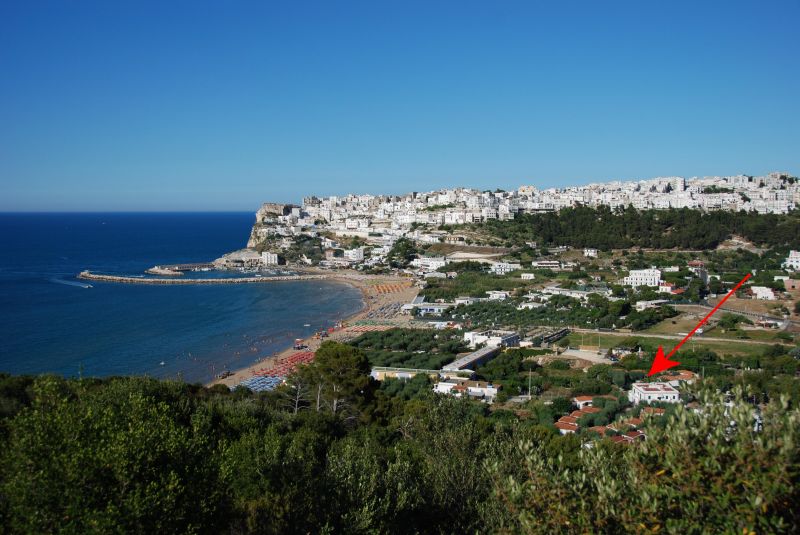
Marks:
<point>546,264</point>
<point>530,305</point>
<point>590,253</point>
<point>583,295</point>
<point>269,259</point>
<point>474,389</point>
<point>644,305</point>
<point>429,263</point>
<point>792,261</point>
<point>642,277</point>
<point>354,255</point>
<point>652,392</point>
<point>763,293</point>
<point>498,295</point>
<point>492,338</point>
<point>504,268</point>
<point>527,276</point>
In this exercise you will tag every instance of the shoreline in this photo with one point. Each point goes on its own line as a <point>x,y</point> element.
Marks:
<point>380,294</point>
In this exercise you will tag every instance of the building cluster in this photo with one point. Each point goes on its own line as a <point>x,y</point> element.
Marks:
<point>773,193</point>
<point>380,220</point>
<point>663,391</point>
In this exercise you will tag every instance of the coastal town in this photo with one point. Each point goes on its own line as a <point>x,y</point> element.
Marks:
<point>546,330</point>
<point>402,268</point>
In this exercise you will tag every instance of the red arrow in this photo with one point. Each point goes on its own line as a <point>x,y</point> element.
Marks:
<point>661,362</point>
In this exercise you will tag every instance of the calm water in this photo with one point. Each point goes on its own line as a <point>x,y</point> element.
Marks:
<point>48,323</point>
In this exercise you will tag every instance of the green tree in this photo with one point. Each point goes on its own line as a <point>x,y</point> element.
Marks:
<point>339,378</point>
<point>402,253</point>
<point>108,460</point>
<point>703,472</point>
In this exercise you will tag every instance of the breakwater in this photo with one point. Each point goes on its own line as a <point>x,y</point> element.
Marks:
<point>88,275</point>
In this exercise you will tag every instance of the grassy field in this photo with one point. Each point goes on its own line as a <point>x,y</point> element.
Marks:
<point>686,322</point>
<point>752,305</point>
<point>734,347</point>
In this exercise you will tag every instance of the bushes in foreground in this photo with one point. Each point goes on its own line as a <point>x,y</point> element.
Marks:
<point>332,453</point>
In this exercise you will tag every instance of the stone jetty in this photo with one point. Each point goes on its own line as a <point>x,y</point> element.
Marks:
<point>88,275</point>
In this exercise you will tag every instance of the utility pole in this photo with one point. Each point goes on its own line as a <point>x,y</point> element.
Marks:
<point>529,384</point>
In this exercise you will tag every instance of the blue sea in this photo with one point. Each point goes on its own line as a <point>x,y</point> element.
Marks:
<point>50,322</point>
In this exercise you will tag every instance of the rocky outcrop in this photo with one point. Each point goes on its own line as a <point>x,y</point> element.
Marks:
<point>266,215</point>
<point>247,258</point>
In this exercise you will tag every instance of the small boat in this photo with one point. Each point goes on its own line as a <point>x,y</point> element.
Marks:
<point>306,325</point>
<point>163,363</point>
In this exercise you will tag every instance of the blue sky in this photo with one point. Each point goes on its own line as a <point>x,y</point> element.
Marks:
<point>193,105</point>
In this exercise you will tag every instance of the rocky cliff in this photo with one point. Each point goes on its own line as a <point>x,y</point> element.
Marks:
<point>267,215</point>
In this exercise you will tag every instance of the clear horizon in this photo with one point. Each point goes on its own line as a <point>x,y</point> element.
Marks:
<point>195,107</point>
<point>299,201</point>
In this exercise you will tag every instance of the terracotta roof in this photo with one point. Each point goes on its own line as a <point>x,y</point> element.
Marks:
<point>679,375</point>
<point>568,420</point>
<point>566,426</point>
<point>590,410</point>
<point>599,429</point>
<point>583,398</point>
<point>655,411</point>
<point>635,422</point>
<point>619,440</point>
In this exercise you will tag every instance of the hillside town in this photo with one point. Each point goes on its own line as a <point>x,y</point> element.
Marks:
<point>559,328</point>
<point>426,217</point>
<point>775,193</point>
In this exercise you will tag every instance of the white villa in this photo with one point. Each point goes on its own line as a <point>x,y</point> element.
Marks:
<point>651,392</point>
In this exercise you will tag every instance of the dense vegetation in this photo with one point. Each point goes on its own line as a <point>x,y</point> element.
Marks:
<point>469,283</point>
<point>415,348</point>
<point>139,455</point>
<point>624,228</point>
<point>331,452</point>
<point>403,251</point>
<point>559,310</point>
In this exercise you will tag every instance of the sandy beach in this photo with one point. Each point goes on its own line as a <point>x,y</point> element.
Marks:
<point>383,296</point>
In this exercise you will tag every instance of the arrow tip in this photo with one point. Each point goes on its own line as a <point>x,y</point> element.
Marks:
<point>661,363</point>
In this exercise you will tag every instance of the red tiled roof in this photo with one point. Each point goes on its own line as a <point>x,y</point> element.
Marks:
<point>599,429</point>
<point>590,410</point>
<point>583,398</point>
<point>568,420</point>
<point>679,375</point>
<point>566,426</point>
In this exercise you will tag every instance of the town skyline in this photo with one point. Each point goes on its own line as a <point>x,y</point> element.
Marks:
<point>579,185</point>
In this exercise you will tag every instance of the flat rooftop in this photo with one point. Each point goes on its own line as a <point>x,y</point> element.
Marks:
<point>655,388</point>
